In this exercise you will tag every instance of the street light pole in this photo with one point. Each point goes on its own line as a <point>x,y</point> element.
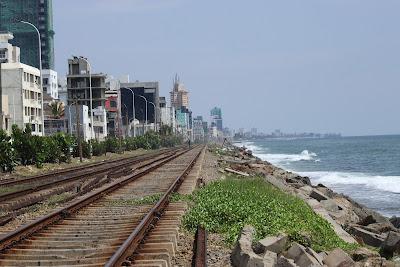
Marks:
<point>40,67</point>
<point>146,110</point>
<point>133,108</point>
<point>155,116</point>
<point>91,95</point>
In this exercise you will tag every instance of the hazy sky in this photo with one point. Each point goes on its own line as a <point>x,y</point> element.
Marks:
<point>298,65</point>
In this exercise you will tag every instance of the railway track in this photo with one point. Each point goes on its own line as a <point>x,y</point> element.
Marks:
<point>29,191</point>
<point>111,225</point>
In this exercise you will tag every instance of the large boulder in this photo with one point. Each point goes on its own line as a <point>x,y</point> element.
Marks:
<point>242,254</point>
<point>338,258</point>
<point>318,195</point>
<point>382,227</point>
<point>376,262</point>
<point>326,191</point>
<point>367,237</point>
<point>391,244</point>
<point>275,244</point>
<point>299,254</point>
<point>395,221</point>
<point>330,205</point>
<point>285,262</point>
<point>363,253</point>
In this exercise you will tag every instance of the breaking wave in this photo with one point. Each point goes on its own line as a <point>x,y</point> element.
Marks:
<point>384,183</point>
<point>279,159</point>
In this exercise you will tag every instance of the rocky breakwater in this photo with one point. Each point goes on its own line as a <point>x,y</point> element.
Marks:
<point>353,222</point>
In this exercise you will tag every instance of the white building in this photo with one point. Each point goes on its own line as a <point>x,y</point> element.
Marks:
<point>21,84</point>
<point>168,116</point>
<point>62,89</point>
<point>50,83</point>
<point>84,119</point>
<point>198,129</point>
<point>100,123</point>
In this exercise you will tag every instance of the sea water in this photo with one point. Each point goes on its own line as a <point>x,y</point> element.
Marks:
<point>364,168</point>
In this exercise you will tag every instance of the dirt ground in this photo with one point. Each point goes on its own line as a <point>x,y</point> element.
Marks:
<point>25,171</point>
<point>218,254</point>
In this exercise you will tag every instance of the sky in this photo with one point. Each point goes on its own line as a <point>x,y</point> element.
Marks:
<point>295,65</point>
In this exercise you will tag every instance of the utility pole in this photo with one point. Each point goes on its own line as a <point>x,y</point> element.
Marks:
<point>1,98</point>
<point>78,129</point>
<point>127,123</point>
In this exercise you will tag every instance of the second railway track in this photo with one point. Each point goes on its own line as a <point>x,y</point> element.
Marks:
<point>105,227</point>
<point>38,188</point>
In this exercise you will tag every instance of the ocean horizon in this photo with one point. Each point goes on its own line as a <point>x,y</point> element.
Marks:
<point>366,168</point>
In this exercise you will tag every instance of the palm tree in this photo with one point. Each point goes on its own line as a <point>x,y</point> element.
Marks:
<point>57,111</point>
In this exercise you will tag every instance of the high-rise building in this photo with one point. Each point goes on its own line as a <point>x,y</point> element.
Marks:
<point>198,129</point>
<point>179,95</point>
<point>20,87</point>
<point>141,91</point>
<point>216,118</point>
<point>78,88</point>
<point>40,14</point>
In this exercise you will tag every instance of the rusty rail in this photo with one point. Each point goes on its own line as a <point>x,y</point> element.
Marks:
<point>200,248</point>
<point>25,231</point>
<point>136,237</point>
<point>24,192</point>
<point>49,175</point>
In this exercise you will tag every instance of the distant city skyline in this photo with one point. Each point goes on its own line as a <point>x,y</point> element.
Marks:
<point>328,66</point>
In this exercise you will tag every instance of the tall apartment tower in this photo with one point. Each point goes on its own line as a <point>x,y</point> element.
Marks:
<point>216,118</point>
<point>179,95</point>
<point>78,86</point>
<point>37,12</point>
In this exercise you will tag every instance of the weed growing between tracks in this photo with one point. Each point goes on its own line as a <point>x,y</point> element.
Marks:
<point>225,206</point>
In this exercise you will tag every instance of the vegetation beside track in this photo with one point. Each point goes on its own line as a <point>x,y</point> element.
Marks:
<point>23,148</point>
<point>225,206</point>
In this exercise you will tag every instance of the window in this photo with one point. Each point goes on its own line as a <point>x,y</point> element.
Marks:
<point>113,104</point>
<point>45,81</point>
<point>3,54</point>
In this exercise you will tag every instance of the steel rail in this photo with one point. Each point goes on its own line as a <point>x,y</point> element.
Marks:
<point>136,237</point>
<point>24,192</point>
<point>51,174</point>
<point>200,248</point>
<point>12,238</point>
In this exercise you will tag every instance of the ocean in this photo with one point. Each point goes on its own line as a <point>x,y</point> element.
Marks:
<point>364,168</point>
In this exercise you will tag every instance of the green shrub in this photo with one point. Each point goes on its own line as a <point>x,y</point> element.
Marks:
<point>50,149</point>
<point>130,143</point>
<point>170,141</point>
<point>85,149</point>
<point>23,144</point>
<point>99,148</point>
<point>152,139</point>
<point>226,206</point>
<point>113,145</point>
<point>7,154</point>
<point>65,142</point>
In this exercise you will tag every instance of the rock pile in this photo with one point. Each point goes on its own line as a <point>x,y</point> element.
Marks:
<point>352,221</point>
<point>277,251</point>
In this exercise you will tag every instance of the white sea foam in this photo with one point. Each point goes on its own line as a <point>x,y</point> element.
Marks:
<point>278,159</point>
<point>283,159</point>
<point>251,146</point>
<point>384,183</point>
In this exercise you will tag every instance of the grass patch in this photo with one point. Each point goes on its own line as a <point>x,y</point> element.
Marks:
<point>54,200</point>
<point>10,189</point>
<point>225,206</point>
<point>147,200</point>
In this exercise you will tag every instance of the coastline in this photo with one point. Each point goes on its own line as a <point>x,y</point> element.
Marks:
<point>363,168</point>
<point>352,221</point>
